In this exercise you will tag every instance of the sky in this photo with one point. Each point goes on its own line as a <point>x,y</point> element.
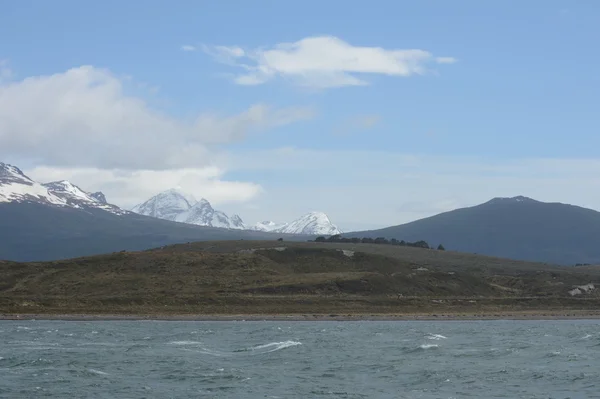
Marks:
<point>376,113</point>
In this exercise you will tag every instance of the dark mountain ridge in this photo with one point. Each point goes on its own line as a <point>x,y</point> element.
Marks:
<point>517,228</point>
<point>36,232</point>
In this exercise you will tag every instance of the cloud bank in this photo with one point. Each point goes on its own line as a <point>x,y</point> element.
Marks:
<point>83,125</point>
<point>84,118</point>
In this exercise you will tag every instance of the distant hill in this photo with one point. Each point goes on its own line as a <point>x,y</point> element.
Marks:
<point>516,228</point>
<point>34,231</point>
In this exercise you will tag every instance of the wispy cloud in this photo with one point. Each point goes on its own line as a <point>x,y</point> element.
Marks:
<point>323,62</point>
<point>188,47</point>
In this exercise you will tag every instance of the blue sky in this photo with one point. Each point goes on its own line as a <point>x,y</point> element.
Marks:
<point>510,107</point>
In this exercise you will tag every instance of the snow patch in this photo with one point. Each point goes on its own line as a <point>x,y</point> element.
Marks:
<point>18,192</point>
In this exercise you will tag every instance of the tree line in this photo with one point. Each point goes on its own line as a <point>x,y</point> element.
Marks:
<point>378,240</point>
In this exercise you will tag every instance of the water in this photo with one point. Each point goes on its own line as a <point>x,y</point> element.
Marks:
<point>154,359</point>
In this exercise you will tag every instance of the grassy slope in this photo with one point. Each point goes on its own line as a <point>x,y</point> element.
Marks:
<point>225,277</point>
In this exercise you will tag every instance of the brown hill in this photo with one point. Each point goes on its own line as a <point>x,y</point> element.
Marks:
<point>269,277</point>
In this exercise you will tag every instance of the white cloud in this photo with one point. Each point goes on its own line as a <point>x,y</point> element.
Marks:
<point>127,189</point>
<point>84,118</point>
<point>323,62</point>
<point>188,47</point>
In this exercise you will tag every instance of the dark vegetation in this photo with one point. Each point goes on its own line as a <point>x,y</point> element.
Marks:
<point>274,277</point>
<point>378,240</point>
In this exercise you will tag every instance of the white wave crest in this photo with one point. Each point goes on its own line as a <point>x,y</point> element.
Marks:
<point>98,372</point>
<point>275,346</point>
<point>428,346</point>
<point>587,336</point>
<point>185,343</point>
<point>436,337</point>
<point>260,349</point>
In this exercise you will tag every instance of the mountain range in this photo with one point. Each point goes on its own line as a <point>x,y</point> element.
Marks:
<point>46,221</point>
<point>178,206</point>
<point>60,220</point>
<point>316,223</point>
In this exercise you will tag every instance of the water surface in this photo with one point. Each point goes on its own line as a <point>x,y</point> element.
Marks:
<point>365,359</point>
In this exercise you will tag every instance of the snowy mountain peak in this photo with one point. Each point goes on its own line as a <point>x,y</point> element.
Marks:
<point>313,223</point>
<point>12,174</point>
<point>77,198</point>
<point>267,226</point>
<point>177,192</point>
<point>179,206</point>
<point>69,190</point>
<point>166,205</point>
<point>16,187</point>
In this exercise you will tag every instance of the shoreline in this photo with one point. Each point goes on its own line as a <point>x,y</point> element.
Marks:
<point>533,315</point>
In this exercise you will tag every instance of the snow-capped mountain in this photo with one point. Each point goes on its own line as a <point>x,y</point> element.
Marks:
<point>313,223</point>
<point>268,225</point>
<point>166,205</point>
<point>16,187</point>
<point>77,198</point>
<point>178,206</point>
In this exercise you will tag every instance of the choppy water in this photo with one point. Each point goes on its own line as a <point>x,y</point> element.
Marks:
<point>152,359</point>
